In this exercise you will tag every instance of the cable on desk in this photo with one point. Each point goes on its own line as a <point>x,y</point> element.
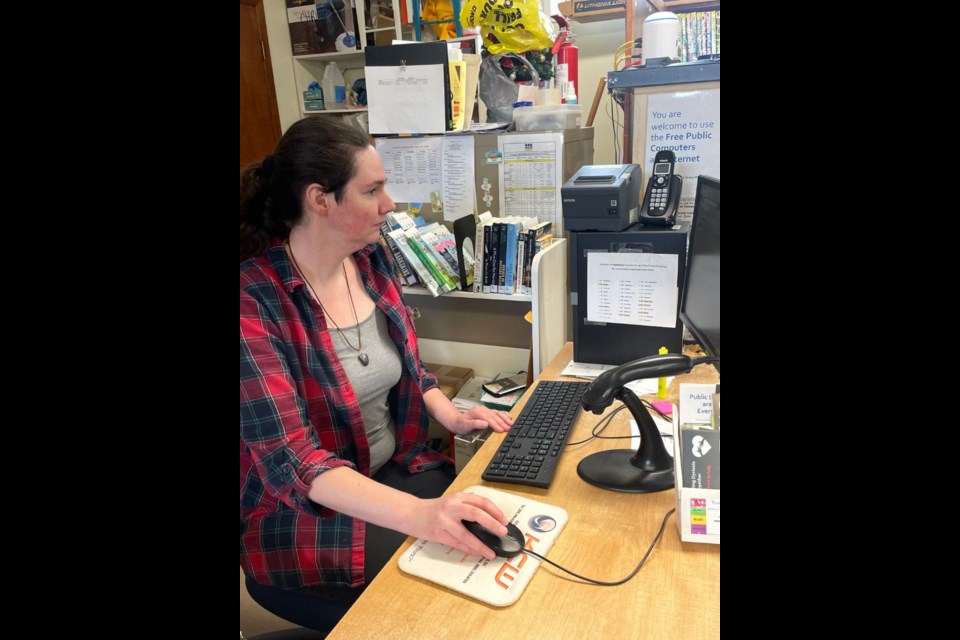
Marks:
<point>633,573</point>
<point>594,432</point>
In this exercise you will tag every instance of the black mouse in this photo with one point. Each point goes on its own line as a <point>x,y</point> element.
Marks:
<point>504,546</point>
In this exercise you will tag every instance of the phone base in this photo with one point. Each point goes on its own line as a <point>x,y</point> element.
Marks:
<point>659,222</point>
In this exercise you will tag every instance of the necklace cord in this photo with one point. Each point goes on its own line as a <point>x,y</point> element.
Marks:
<point>317,298</point>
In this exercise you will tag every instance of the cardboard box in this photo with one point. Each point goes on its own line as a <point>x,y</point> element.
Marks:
<point>315,26</point>
<point>465,446</point>
<point>451,380</point>
<point>698,509</point>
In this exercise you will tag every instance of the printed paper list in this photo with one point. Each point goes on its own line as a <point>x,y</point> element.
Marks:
<point>632,288</point>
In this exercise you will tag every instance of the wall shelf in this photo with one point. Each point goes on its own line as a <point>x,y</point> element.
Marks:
<point>470,295</point>
<point>454,317</point>
<point>310,67</point>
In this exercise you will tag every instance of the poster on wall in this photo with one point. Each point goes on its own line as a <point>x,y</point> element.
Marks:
<point>687,123</point>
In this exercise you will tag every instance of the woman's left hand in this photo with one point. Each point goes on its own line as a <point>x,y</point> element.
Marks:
<point>480,417</point>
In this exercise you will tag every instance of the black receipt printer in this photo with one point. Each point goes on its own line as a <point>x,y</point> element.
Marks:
<point>602,197</point>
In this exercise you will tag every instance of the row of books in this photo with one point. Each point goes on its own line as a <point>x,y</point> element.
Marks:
<point>505,248</point>
<point>426,254</point>
<point>699,34</point>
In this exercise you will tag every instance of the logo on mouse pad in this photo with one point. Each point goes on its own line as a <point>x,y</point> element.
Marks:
<point>542,523</point>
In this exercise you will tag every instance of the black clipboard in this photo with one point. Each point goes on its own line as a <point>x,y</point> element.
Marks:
<point>421,53</point>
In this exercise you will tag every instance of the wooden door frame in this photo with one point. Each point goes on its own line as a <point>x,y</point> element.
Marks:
<point>268,63</point>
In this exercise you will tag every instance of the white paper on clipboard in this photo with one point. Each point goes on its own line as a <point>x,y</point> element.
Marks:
<point>405,92</point>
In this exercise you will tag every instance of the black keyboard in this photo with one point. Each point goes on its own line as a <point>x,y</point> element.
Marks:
<point>532,448</point>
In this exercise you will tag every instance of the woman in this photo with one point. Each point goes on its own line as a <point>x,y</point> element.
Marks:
<point>334,467</point>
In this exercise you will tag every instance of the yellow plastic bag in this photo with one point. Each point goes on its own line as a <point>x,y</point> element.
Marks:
<point>440,10</point>
<point>512,26</point>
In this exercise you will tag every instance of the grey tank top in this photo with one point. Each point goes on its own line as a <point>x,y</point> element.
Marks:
<point>372,383</point>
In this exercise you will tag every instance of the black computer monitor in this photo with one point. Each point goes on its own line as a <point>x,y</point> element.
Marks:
<point>700,304</point>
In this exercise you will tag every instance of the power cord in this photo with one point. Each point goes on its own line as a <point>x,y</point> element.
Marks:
<point>656,539</point>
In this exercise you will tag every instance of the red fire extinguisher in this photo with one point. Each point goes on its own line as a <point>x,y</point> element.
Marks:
<point>565,54</point>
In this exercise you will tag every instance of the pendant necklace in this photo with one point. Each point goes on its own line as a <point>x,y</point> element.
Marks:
<point>362,357</point>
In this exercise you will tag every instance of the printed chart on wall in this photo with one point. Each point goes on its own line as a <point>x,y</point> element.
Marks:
<point>435,170</point>
<point>531,177</point>
<point>687,123</point>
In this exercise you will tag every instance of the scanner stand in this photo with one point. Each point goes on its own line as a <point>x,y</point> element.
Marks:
<point>648,470</point>
<point>651,467</point>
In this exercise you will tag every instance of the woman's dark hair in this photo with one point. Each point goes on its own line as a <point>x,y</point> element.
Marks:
<point>317,149</point>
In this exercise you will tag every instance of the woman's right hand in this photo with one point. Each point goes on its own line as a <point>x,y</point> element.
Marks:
<point>439,520</point>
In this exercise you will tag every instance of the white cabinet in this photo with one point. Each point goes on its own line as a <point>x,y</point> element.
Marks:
<point>307,69</point>
<point>487,332</point>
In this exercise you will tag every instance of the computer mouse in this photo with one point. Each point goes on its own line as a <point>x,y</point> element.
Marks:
<point>504,546</point>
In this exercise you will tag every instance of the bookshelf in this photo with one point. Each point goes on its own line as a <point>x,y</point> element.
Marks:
<point>310,67</point>
<point>487,332</point>
<point>699,33</point>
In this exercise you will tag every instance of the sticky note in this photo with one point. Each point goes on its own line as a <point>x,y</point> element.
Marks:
<point>663,406</point>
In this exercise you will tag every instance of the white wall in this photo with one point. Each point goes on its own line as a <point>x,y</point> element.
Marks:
<point>596,41</point>
<point>282,57</point>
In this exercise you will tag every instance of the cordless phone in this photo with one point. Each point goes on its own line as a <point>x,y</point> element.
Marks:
<point>663,192</point>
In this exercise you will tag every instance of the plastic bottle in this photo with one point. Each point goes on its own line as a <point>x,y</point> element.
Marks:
<point>571,97</point>
<point>334,86</point>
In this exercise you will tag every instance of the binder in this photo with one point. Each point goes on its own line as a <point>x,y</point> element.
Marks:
<point>406,91</point>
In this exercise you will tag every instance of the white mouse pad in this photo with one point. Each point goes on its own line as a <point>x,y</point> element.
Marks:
<point>499,581</point>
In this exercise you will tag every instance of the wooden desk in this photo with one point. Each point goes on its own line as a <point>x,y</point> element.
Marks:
<point>675,595</point>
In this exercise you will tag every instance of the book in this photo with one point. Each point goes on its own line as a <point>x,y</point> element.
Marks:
<point>498,286</point>
<point>407,276</point>
<point>504,402</point>
<point>509,285</point>
<point>521,256</point>
<point>458,93</point>
<point>419,248</point>
<point>441,243</point>
<point>483,227</point>
<point>423,274</point>
<point>492,260</point>
<point>541,229</point>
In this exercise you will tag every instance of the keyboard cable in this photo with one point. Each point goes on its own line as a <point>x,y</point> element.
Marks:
<point>618,582</point>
